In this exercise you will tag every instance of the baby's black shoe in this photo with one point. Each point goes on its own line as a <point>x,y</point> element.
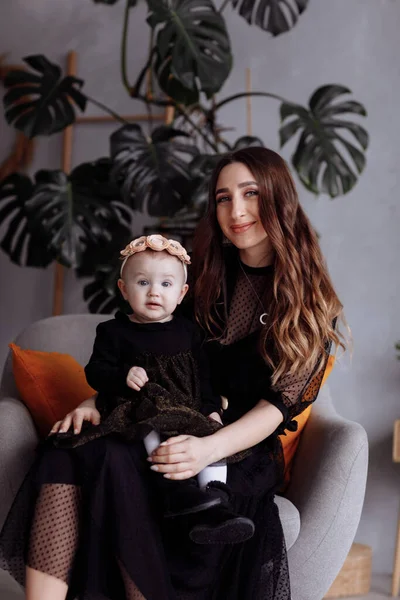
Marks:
<point>221,525</point>
<point>185,498</point>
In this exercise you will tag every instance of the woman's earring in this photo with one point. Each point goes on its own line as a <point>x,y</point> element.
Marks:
<point>225,241</point>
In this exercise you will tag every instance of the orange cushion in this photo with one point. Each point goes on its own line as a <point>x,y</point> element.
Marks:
<point>50,384</point>
<point>290,441</point>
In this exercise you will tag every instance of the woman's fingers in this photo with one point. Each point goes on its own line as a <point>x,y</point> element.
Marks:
<point>165,452</point>
<point>181,467</point>
<point>174,440</point>
<point>176,446</point>
<point>168,458</point>
<point>179,476</point>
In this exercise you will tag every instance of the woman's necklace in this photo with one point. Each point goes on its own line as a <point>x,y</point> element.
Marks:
<point>264,315</point>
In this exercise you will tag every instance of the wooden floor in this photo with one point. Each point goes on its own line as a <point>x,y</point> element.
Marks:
<point>380,589</point>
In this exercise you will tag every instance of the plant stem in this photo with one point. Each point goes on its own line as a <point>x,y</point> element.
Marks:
<point>149,86</point>
<point>196,128</point>
<point>245,94</point>
<point>224,143</point>
<point>150,121</point>
<point>217,137</point>
<point>106,109</point>
<point>134,91</point>
<point>124,73</point>
<point>223,6</point>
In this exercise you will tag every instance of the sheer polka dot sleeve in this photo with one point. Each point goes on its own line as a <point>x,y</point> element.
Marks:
<point>297,392</point>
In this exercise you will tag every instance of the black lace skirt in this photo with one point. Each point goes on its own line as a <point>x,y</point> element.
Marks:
<point>90,516</point>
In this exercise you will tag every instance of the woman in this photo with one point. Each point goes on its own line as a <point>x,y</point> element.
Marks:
<point>263,296</point>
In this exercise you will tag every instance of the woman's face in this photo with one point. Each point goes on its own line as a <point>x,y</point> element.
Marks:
<point>237,199</point>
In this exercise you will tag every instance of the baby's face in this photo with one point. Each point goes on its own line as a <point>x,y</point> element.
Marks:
<point>154,284</point>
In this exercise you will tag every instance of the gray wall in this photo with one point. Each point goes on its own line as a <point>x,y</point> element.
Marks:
<point>352,43</point>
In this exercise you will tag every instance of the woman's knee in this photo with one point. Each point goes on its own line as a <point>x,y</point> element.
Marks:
<point>56,465</point>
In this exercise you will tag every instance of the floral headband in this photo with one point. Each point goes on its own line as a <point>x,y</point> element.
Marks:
<point>158,243</point>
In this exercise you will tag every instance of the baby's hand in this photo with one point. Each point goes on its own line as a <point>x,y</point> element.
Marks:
<point>136,378</point>
<point>75,419</point>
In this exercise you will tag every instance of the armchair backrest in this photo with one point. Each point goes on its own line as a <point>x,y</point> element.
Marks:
<point>69,334</point>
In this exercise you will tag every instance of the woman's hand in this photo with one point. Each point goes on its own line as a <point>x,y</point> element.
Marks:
<point>136,378</point>
<point>86,411</point>
<point>183,456</point>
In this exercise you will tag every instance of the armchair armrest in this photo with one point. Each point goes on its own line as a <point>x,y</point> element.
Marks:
<point>327,487</point>
<point>18,440</point>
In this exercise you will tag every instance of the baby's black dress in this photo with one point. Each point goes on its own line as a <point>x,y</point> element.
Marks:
<point>178,396</point>
<point>92,517</point>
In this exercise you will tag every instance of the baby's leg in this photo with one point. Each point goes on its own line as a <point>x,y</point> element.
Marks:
<point>212,473</point>
<point>151,441</point>
<point>220,525</point>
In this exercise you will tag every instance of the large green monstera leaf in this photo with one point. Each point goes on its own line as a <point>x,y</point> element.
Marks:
<point>25,244</point>
<point>326,158</point>
<point>73,213</point>
<point>153,172</point>
<point>43,103</point>
<point>275,16</point>
<point>192,44</point>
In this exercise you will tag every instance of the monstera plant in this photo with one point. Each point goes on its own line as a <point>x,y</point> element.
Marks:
<point>76,218</point>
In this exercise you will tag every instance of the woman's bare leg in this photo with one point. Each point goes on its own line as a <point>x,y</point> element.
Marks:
<point>41,586</point>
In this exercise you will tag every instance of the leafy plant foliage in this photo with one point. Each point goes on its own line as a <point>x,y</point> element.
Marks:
<point>153,172</point>
<point>192,45</point>
<point>275,16</point>
<point>51,108</point>
<point>325,160</point>
<point>84,218</point>
<point>25,241</point>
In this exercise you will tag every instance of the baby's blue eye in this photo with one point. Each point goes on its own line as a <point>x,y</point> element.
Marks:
<point>143,282</point>
<point>166,284</point>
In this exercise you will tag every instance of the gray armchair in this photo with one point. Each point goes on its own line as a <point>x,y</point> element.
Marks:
<point>320,510</point>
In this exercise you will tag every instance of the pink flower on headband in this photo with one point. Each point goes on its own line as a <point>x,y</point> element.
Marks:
<point>155,242</point>
<point>134,246</point>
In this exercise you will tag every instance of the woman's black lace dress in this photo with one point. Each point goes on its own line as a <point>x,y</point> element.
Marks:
<point>88,514</point>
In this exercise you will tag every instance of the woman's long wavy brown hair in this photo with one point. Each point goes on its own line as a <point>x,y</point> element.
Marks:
<point>304,305</point>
